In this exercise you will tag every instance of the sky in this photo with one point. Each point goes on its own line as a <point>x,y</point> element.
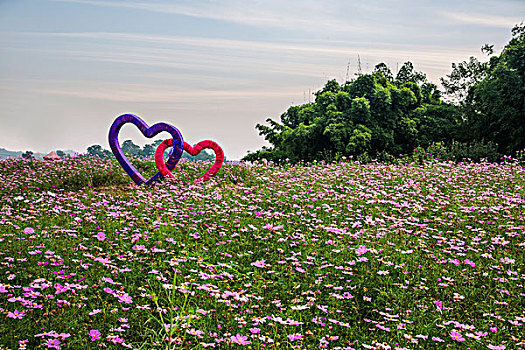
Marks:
<point>214,69</point>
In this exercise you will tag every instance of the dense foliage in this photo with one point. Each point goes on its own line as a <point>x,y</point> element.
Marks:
<point>340,256</point>
<point>379,115</point>
<point>492,95</point>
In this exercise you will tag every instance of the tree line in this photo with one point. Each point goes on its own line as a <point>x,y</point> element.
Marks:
<point>479,114</point>
<point>148,151</point>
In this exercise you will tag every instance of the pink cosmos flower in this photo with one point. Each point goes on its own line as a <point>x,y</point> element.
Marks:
<point>94,334</point>
<point>239,339</point>
<point>53,343</point>
<point>493,329</point>
<point>439,305</point>
<point>125,298</point>
<point>100,236</point>
<point>386,329</point>
<point>29,231</point>
<point>138,247</point>
<point>496,347</point>
<point>259,263</point>
<point>469,262</point>
<point>295,336</point>
<point>16,314</point>
<point>361,250</point>
<point>115,339</point>
<point>94,312</point>
<point>456,336</point>
<point>255,330</point>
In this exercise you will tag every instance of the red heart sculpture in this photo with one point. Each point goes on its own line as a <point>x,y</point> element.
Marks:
<point>219,157</point>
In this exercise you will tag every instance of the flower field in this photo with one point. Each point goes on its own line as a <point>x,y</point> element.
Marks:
<point>330,256</point>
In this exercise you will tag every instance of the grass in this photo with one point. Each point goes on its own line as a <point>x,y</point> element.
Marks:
<point>336,256</point>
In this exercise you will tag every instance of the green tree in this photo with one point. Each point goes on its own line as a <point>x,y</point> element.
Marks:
<point>491,96</point>
<point>28,155</point>
<point>383,69</point>
<point>368,115</point>
<point>359,141</point>
<point>463,77</point>
<point>407,74</point>
<point>95,150</point>
<point>147,151</point>
<point>130,148</point>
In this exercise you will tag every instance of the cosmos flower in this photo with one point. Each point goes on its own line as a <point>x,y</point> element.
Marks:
<point>94,334</point>
<point>361,250</point>
<point>456,336</point>
<point>259,263</point>
<point>16,314</point>
<point>295,336</point>
<point>101,236</point>
<point>53,343</point>
<point>239,339</point>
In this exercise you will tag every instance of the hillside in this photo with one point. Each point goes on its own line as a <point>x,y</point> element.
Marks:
<point>4,153</point>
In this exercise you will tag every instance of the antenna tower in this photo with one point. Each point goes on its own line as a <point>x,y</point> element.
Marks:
<point>347,71</point>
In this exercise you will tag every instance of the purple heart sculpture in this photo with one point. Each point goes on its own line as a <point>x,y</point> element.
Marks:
<point>148,131</point>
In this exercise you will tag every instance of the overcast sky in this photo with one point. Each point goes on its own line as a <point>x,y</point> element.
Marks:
<point>212,68</point>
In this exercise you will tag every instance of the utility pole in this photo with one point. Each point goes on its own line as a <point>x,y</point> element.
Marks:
<point>359,70</point>
<point>347,71</point>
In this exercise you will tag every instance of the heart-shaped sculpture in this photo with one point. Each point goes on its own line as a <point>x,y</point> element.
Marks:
<point>219,157</point>
<point>148,131</point>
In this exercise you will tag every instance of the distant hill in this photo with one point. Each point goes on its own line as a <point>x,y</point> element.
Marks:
<point>4,153</point>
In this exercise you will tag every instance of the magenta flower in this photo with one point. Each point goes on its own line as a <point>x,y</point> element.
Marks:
<point>94,334</point>
<point>16,314</point>
<point>100,236</point>
<point>469,262</point>
<point>29,231</point>
<point>295,336</point>
<point>138,247</point>
<point>239,339</point>
<point>53,343</point>
<point>361,250</point>
<point>259,263</point>
<point>125,298</point>
<point>439,305</point>
<point>456,336</point>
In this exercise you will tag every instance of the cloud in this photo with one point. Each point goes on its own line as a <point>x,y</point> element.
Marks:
<point>482,19</point>
<point>248,57</point>
<point>138,93</point>
<point>305,15</point>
